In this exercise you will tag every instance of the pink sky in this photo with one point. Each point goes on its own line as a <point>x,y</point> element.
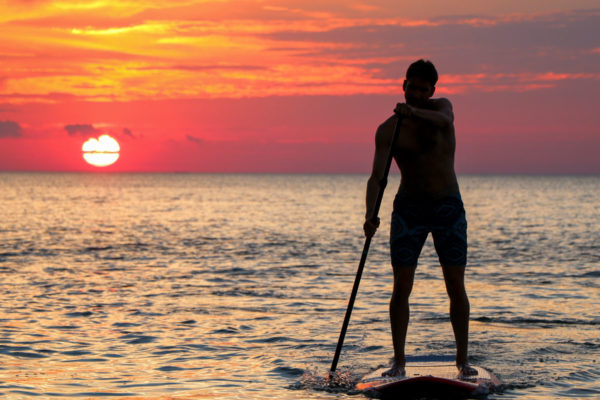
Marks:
<point>294,86</point>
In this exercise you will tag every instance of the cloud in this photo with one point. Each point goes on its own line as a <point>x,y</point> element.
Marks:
<point>89,130</point>
<point>8,108</point>
<point>515,82</point>
<point>528,42</point>
<point>194,139</point>
<point>213,67</point>
<point>127,132</point>
<point>244,49</point>
<point>24,98</point>
<point>10,129</point>
<point>81,129</point>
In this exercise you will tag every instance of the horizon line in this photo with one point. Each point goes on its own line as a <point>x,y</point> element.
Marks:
<point>133,172</point>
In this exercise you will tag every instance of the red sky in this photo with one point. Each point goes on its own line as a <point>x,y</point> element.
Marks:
<point>294,86</point>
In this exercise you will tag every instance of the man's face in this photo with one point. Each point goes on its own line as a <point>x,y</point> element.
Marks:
<point>417,91</point>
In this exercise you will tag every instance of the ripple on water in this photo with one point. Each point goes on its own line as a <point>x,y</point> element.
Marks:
<point>170,368</point>
<point>77,314</point>
<point>173,274</point>
<point>134,338</point>
<point>75,353</point>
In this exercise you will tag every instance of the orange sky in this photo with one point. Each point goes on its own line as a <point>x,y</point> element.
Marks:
<point>294,86</point>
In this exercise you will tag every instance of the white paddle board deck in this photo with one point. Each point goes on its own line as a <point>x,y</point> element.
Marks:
<point>429,378</point>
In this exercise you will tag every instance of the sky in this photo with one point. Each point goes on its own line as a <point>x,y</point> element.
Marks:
<point>295,86</point>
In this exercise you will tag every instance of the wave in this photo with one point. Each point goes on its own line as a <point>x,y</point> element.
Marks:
<point>536,321</point>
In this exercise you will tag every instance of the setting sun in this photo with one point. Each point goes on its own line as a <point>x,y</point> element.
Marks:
<point>101,152</point>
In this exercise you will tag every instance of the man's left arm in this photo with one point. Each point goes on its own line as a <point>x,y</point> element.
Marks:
<point>440,114</point>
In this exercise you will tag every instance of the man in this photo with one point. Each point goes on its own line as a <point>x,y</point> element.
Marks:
<point>428,200</point>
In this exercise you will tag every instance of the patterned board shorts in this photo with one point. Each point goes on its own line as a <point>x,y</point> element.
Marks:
<point>413,219</point>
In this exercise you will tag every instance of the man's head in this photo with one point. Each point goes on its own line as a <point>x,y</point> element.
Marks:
<point>419,85</point>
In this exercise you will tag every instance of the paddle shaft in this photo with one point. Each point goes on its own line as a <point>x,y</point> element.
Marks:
<point>365,252</point>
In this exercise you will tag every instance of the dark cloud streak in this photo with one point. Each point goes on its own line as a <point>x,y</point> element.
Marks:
<point>81,129</point>
<point>10,129</point>
<point>194,139</point>
<point>127,132</point>
<point>205,67</point>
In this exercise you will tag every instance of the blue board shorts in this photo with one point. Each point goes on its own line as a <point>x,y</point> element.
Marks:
<point>413,219</point>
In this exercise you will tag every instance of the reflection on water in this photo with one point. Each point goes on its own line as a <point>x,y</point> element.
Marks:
<point>228,286</point>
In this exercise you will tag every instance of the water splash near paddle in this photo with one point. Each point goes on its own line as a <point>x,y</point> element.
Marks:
<point>343,381</point>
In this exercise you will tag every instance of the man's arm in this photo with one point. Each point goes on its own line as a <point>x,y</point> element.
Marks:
<point>382,145</point>
<point>440,114</point>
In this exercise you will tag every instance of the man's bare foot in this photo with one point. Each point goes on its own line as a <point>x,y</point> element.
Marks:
<point>466,370</point>
<point>396,370</point>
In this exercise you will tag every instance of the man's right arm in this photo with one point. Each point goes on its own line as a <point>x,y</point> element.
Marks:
<point>440,114</point>
<point>382,145</point>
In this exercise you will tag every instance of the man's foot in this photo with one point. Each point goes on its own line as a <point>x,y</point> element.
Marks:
<point>396,370</point>
<point>466,370</point>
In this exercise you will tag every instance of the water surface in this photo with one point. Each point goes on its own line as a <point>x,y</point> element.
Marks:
<point>234,286</point>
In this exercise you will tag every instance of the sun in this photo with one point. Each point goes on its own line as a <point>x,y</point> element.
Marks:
<point>101,152</point>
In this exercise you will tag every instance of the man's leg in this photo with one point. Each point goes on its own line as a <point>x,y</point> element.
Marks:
<point>459,315</point>
<point>399,315</point>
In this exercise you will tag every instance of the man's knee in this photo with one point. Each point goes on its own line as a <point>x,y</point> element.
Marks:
<point>454,278</point>
<point>403,282</point>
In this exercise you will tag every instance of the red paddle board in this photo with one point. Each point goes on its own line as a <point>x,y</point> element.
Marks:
<point>434,378</point>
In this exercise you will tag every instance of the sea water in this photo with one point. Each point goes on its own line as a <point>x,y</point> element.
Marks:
<point>150,286</point>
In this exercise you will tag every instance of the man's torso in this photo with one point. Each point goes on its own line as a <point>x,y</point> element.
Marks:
<point>425,156</point>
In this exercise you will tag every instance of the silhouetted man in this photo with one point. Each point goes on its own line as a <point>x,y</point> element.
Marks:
<point>428,200</point>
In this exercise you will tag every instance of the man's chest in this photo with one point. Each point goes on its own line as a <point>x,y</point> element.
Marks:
<point>419,138</point>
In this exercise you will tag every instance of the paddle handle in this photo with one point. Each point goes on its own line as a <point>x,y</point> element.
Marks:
<point>365,252</point>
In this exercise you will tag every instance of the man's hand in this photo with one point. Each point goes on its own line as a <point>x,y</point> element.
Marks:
<point>404,110</point>
<point>370,227</point>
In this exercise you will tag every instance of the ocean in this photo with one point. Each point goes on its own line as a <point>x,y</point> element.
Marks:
<point>157,286</point>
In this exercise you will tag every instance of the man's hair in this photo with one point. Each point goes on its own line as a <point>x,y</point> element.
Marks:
<point>423,69</point>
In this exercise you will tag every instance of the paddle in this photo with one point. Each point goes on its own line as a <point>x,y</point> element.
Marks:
<point>363,258</point>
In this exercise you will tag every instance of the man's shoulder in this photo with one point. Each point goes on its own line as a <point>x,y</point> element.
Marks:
<point>440,103</point>
<point>385,131</point>
<point>388,124</point>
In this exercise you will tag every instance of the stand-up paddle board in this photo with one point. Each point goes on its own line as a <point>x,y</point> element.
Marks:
<point>429,377</point>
